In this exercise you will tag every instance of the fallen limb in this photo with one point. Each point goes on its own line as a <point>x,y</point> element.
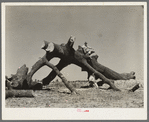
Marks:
<point>68,55</point>
<point>19,93</point>
<point>64,80</point>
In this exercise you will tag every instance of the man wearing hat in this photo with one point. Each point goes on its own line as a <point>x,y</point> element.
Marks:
<point>87,50</point>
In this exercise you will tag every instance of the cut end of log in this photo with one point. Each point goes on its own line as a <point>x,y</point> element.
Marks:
<point>128,76</point>
<point>71,41</point>
<point>48,46</point>
<point>72,38</point>
<point>133,89</point>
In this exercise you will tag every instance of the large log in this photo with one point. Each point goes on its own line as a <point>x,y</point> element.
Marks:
<point>68,55</point>
<point>109,73</point>
<point>19,93</point>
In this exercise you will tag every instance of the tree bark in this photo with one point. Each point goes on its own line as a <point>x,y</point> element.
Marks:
<point>69,86</point>
<point>18,81</point>
<point>43,61</point>
<point>53,74</point>
<point>19,93</point>
<point>34,68</point>
<point>107,72</point>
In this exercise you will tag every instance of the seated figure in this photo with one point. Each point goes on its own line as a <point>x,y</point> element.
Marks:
<point>92,81</point>
<point>87,50</point>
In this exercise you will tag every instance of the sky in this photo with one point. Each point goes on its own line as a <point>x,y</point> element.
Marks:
<point>115,32</point>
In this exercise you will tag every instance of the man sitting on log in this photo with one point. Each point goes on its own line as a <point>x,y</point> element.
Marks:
<point>87,50</point>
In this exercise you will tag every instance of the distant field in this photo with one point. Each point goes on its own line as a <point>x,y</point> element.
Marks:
<point>56,95</point>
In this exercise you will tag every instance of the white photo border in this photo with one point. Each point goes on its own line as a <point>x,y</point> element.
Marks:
<point>71,113</point>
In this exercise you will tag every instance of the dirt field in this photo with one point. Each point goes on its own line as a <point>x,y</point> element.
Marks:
<point>56,95</point>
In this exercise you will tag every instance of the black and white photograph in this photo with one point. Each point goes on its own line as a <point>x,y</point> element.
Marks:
<point>74,61</point>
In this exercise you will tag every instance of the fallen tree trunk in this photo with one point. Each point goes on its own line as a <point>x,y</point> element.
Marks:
<point>70,56</point>
<point>67,56</point>
<point>19,93</point>
<point>107,72</point>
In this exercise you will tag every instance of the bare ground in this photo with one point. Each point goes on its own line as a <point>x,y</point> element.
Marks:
<point>56,95</point>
